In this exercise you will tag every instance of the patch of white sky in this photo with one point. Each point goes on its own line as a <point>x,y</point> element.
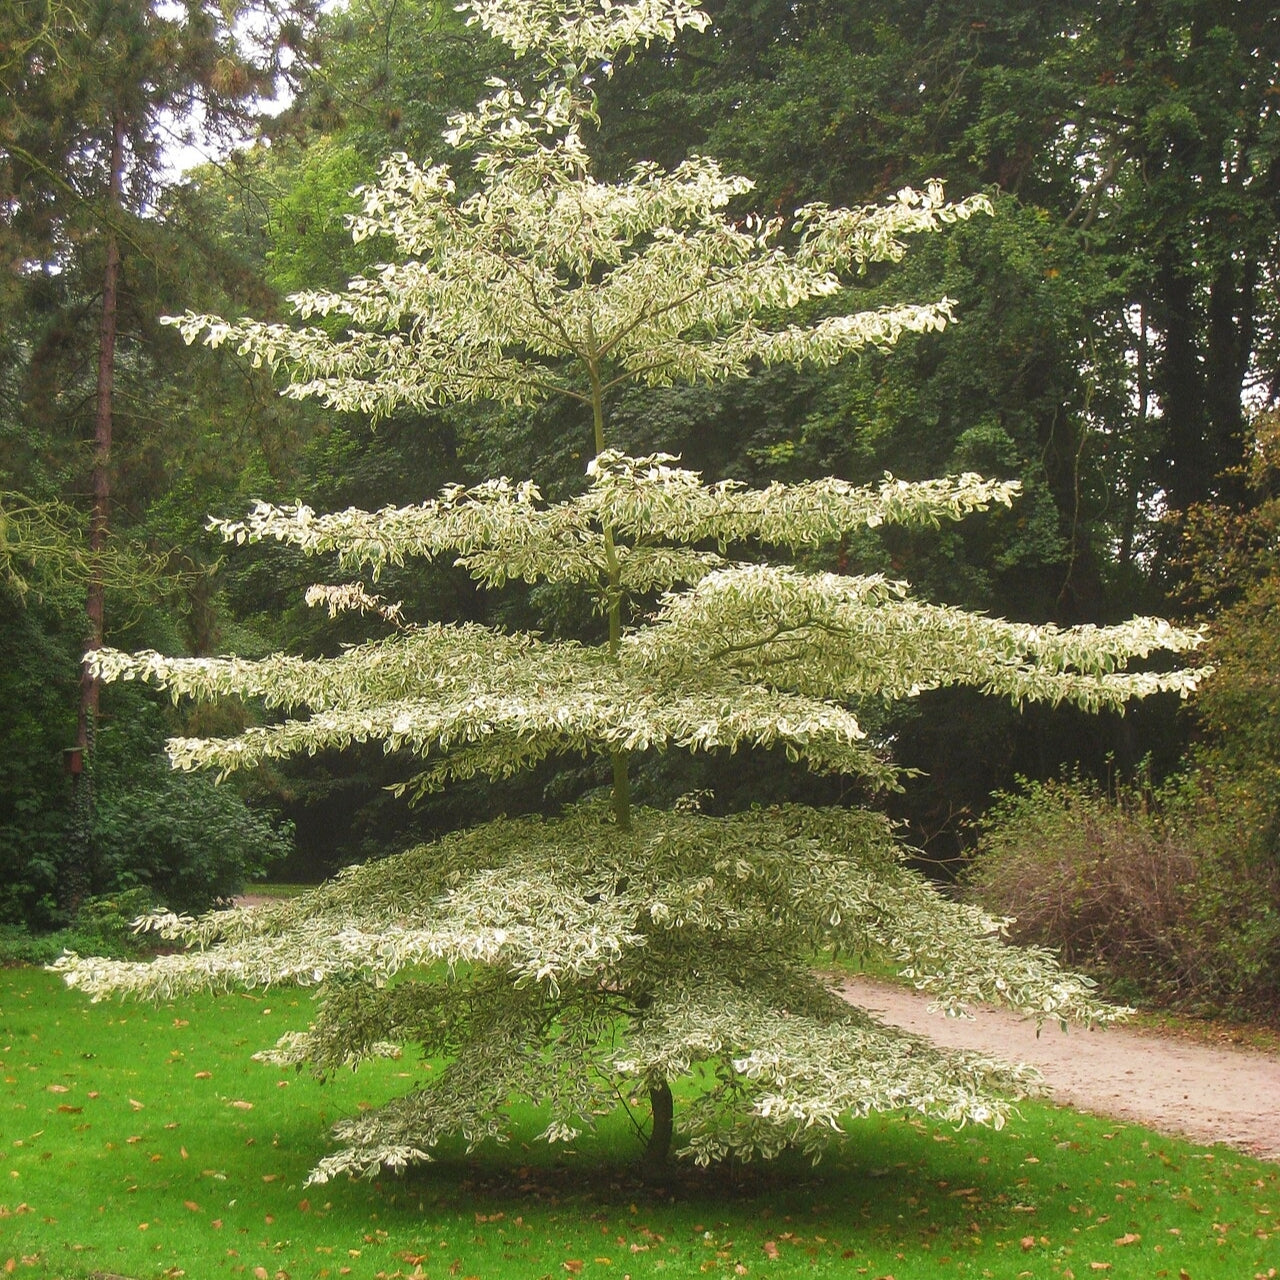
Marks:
<point>187,140</point>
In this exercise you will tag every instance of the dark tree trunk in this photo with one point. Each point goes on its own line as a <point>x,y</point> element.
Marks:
<point>80,878</point>
<point>1188,466</point>
<point>658,1149</point>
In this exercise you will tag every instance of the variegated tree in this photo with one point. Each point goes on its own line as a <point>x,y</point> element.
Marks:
<point>614,951</point>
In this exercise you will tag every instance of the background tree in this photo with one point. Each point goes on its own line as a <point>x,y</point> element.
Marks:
<point>94,95</point>
<point>618,948</point>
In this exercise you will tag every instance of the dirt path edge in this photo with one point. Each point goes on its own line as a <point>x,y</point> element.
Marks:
<point>1206,1093</point>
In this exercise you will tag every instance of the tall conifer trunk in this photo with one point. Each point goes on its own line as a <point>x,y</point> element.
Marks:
<point>81,875</point>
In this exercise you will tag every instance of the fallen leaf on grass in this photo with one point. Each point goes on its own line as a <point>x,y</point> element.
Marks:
<point>572,1265</point>
<point>135,1104</point>
<point>241,1104</point>
<point>191,1204</point>
<point>1028,1242</point>
<point>1099,1266</point>
<point>1128,1238</point>
<point>57,1088</point>
<point>204,1075</point>
<point>67,1110</point>
<point>770,1248</point>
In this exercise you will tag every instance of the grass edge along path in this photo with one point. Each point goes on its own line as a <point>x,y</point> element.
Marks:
<point>142,1141</point>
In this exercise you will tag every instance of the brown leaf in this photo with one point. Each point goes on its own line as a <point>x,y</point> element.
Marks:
<point>204,1075</point>
<point>1099,1266</point>
<point>1128,1238</point>
<point>241,1104</point>
<point>135,1104</point>
<point>1028,1242</point>
<point>191,1204</point>
<point>69,1110</point>
<point>572,1265</point>
<point>770,1248</point>
<point>58,1088</point>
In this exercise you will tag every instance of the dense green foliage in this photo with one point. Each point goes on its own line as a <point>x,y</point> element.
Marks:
<point>103,433</point>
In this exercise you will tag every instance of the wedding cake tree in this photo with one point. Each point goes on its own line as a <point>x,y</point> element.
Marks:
<point>616,951</point>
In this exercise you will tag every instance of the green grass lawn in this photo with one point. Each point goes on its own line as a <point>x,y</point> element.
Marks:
<point>141,1141</point>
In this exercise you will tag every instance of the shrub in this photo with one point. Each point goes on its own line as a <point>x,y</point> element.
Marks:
<point>1102,880</point>
<point>184,840</point>
<point>1155,894</point>
<point>103,926</point>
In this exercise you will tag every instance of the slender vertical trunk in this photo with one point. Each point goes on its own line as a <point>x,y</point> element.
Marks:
<point>658,1148</point>
<point>1129,519</point>
<point>621,778</point>
<point>86,726</point>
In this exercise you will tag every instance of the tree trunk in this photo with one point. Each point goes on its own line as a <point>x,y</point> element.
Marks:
<point>658,1148</point>
<point>81,872</point>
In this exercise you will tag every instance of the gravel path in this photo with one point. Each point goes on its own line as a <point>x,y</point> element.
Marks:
<point>1203,1092</point>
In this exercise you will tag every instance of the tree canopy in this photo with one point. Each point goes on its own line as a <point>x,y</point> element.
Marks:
<point>616,947</point>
